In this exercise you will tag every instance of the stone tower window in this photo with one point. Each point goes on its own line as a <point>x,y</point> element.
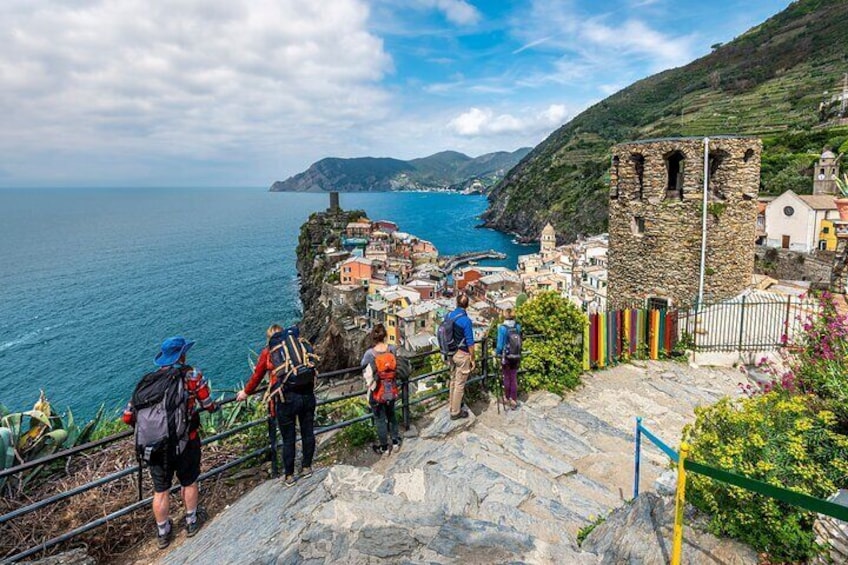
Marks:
<point>638,161</point>
<point>615,165</point>
<point>717,158</point>
<point>674,165</point>
<point>748,154</point>
<point>637,225</point>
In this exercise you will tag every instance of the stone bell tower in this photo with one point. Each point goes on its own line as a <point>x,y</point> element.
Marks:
<point>548,239</point>
<point>656,214</point>
<point>826,173</point>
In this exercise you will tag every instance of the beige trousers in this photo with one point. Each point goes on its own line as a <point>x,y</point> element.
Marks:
<point>460,369</point>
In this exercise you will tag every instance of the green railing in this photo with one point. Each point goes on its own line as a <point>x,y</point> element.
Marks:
<point>684,464</point>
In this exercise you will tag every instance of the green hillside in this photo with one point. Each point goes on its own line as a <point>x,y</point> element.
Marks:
<point>768,82</point>
<point>445,170</point>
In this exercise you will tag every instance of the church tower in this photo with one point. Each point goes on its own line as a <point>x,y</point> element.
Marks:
<point>826,173</point>
<point>548,242</point>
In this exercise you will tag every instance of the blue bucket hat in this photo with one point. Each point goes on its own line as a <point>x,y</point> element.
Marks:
<point>172,349</point>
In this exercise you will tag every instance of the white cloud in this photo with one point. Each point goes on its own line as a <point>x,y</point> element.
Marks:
<point>484,122</point>
<point>457,12</point>
<point>587,45</point>
<point>134,81</point>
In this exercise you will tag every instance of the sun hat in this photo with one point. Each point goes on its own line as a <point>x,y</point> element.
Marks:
<point>172,349</point>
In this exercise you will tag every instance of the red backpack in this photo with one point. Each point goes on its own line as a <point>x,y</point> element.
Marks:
<point>385,371</point>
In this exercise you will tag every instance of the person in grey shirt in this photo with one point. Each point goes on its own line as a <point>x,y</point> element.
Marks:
<point>380,371</point>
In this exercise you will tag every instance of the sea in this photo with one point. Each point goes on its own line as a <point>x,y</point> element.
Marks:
<point>92,280</point>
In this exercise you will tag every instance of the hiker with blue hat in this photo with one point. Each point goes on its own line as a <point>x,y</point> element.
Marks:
<point>162,411</point>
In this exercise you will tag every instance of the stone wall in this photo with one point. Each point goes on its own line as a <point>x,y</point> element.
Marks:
<point>664,259</point>
<point>784,264</point>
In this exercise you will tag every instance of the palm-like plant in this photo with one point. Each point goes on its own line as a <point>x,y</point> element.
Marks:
<point>45,433</point>
<point>842,185</point>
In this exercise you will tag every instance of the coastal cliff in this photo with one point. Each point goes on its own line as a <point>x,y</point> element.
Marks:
<point>324,311</point>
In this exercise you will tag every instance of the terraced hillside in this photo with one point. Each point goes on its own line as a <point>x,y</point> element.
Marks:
<point>767,82</point>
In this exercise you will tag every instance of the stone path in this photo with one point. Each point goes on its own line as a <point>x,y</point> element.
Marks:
<point>508,487</point>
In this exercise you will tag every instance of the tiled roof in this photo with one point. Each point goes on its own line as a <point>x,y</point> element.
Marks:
<point>819,201</point>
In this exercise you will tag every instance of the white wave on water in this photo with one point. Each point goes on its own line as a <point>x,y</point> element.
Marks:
<point>29,338</point>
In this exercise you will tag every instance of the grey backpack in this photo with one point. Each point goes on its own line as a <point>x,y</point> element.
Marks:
<point>160,403</point>
<point>512,348</point>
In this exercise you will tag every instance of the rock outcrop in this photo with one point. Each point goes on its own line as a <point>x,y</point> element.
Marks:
<point>513,487</point>
<point>337,346</point>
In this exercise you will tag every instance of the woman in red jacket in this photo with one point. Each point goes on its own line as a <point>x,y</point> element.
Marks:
<point>263,367</point>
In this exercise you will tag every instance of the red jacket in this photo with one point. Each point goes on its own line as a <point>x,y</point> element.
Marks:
<point>198,391</point>
<point>263,366</point>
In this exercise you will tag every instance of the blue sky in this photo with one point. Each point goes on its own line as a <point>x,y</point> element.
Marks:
<point>242,93</point>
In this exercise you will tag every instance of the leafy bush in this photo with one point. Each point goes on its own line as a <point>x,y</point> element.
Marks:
<point>554,360</point>
<point>355,435</point>
<point>777,438</point>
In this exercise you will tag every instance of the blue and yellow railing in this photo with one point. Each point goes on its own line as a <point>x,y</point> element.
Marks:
<point>685,464</point>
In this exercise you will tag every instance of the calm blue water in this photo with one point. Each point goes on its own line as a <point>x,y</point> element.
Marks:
<point>92,280</point>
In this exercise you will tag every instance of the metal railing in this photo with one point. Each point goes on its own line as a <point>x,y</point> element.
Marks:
<point>684,464</point>
<point>747,323</point>
<point>406,402</point>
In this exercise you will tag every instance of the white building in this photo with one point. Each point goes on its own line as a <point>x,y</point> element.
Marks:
<point>794,222</point>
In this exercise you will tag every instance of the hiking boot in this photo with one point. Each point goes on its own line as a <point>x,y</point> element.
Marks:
<point>306,472</point>
<point>513,404</point>
<point>164,540</point>
<point>290,480</point>
<point>380,449</point>
<point>194,527</point>
<point>463,414</point>
<point>396,443</point>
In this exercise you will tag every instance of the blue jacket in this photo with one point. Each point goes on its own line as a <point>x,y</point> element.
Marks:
<point>462,323</point>
<point>503,331</point>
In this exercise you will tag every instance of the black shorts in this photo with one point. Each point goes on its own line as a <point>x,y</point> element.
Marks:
<point>186,466</point>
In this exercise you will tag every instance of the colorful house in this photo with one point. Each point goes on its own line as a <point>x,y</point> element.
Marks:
<point>356,271</point>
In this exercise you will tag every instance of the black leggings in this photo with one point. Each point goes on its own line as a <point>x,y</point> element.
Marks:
<point>302,407</point>
<point>385,420</point>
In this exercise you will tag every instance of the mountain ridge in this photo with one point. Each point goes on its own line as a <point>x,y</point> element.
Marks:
<point>767,82</point>
<point>445,170</point>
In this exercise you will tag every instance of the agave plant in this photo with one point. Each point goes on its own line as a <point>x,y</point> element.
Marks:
<point>27,436</point>
<point>842,185</point>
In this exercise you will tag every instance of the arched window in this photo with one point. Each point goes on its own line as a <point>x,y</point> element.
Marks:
<point>748,154</point>
<point>717,158</point>
<point>638,161</point>
<point>674,166</point>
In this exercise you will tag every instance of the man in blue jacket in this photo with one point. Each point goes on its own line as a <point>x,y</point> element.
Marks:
<point>462,362</point>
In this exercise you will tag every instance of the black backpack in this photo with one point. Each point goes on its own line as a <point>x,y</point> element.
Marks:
<point>160,404</point>
<point>446,335</point>
<point>294,362</point>
<point>512,347</point>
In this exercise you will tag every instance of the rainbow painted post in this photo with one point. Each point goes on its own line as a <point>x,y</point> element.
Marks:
<point>679,503</point>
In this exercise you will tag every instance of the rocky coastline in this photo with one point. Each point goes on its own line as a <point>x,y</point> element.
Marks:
<point>337,346</point>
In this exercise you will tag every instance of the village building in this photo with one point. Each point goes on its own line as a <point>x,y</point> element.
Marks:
<point>495,286</point>
<point>358,229</point>
<point>801,222</point>
<point>656,212</point>
<point>462,277</point>
<point>426,288</point>
<point>422,317</point>
<point>377,251</point>
<point>356,271</point>
<point>385,226</point>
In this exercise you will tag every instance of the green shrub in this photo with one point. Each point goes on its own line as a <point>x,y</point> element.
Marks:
<point>553,361</point>
<point>355,435</point>
<point>776,438</point>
